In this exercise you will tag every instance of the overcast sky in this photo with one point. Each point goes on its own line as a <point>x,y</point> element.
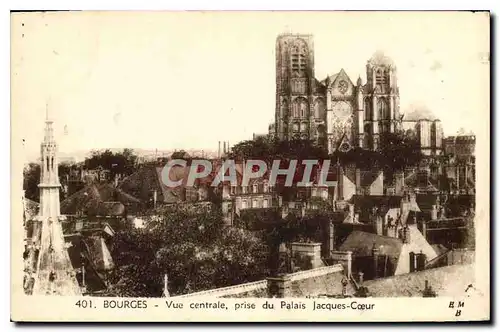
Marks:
<point>187,80</point>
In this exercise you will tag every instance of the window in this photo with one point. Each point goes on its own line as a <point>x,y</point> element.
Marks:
<point>368,108</point>
<point>300,108</point>
<point>266,187</point>
<point>298,56</point>
<point>243,204</point>
<point>266,203</point>
<point>284,108</point>
<point>380,77</point>
<point>295,109</point>
<point>255,188</point>
<point>319,108</point>
<point>383,109</point>
<point>303,109</point>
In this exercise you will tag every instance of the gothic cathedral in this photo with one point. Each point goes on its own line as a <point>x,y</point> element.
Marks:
<point>333,112</point>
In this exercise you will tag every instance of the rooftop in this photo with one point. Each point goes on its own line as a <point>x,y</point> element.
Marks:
<point>445,281</point>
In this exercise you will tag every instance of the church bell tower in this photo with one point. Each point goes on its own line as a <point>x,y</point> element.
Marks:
<point>295,84</point>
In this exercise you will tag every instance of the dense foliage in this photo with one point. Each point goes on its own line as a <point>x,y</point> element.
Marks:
<point>192,247</point>
<point>269,150</point>
<point>31,179</point>
<point>123,162</point>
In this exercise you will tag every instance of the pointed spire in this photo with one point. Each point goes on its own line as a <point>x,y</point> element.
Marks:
<point>359,82</point>
<point>328,80</point>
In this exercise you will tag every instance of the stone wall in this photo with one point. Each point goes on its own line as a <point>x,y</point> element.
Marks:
<point>324,280</point>
<point>251,289</point>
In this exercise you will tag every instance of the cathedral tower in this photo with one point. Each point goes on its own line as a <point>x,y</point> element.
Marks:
<point>295,84</point>
<point>49,268</point>
<point>381,95</point>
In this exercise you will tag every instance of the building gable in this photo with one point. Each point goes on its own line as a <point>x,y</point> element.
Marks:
<point>342,86</point>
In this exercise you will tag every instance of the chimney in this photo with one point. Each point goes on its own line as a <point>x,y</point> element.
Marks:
<point>310,250</point>
<point>358,181</point>
<point>434,212</point>
<point>406,235</point>
<point>360,278</point>
<point>218,153</point>
<point>224,148</point>
<point>413,265</point>
<point>345,282</point>
<point>399,179</point>
<point>379,225</point>
<point>423,228</point>
<point>340,174</point>
<point>344,258</point>
<point>351,212</point>
<point>421,258</point>
<point>331,239</point>
<point>375,255</point>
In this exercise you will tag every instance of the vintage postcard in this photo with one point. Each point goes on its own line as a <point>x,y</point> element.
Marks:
<point>250,166</point>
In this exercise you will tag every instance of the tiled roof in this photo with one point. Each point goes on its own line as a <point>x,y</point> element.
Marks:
<point>110,209</point>
<point>142,183</point>
<point>422,183</point>
<point>99,253</point>
<point>439,249</point>
<point>170,194</point>
<point>98,199</point>
<point>383,202</point>
<point>445,281</point>
<point>362,243</point>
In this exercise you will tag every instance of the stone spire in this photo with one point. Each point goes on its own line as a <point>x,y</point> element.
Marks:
<point>49,268</point>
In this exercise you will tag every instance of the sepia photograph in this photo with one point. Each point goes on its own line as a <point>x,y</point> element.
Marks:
<point>218,161</point>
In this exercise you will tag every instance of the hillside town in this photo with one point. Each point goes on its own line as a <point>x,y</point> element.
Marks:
<point>396,220</point>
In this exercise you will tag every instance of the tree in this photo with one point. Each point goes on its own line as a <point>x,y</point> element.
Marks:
<point>399,150</point>
<point>260,148</point>
<point>117,163</point>
<point>270,150</point>
<point>31,179</point>
<point>192,247</point>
